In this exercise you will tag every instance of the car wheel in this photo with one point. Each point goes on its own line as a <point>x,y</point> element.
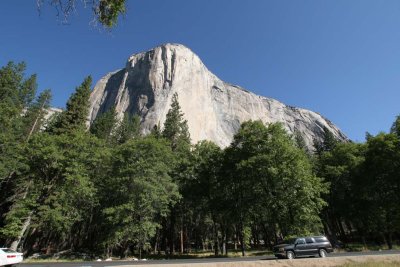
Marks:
<point>290,255</point>
<point>322,253</point>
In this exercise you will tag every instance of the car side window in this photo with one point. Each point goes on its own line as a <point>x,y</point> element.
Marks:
<point>309,240</point>
<point>300,241</point>
<point>321,239</point>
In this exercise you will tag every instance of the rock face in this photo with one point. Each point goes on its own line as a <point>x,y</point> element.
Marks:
<point>213,108</point>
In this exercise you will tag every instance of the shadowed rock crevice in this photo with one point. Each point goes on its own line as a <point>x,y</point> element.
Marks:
<point>140,92</point>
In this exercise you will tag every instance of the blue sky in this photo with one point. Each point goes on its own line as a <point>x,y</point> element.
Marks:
<point>339,58</point>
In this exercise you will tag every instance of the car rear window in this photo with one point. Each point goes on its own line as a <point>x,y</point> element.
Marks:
<point>7,250</point>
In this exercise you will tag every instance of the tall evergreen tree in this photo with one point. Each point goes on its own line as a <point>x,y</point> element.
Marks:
<point>327,144</point>
<point>35,114</point>
<point>76,113</point>
<point>265,172</point>
<point>104,125</point>
<point>380,186</point>
<point>156,131</point>
<point>128,128</point>
<point>142,192</point>
<point>300,142</point>
<point>176,129</point>
<point>16,93</point>
<point>395,129</point>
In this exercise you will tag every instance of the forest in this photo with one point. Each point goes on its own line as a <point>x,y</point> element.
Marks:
<point>108,190</point>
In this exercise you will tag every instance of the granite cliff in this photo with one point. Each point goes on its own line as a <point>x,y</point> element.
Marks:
<point>213,108</point>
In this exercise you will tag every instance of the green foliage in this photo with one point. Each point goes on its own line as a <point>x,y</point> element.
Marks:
<point>106,12</point>
<point>104,124</point>
<point>272,178</point>
<point>62,168</point>
<point>156,131</point>
<point>342,168</point>
<point>300,142</point>
<point>364,189</point>
<point>176,129</point>
<point>16,113</point>
<point>76,113</point>
<point>111,190</point>
<point>380,186</point>
<point>207,164</point>
<point>15,218</point>
<point>327,144</point>
<point>142,191</point>
<point>127,129</point>
<point>35,114</point>
<point>16,93</point>
<point>396,127</point>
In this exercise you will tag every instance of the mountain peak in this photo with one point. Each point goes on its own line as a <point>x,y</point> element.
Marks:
<point>213,108</point>
<point>163,52</point>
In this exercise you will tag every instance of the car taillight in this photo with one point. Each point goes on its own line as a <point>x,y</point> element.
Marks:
<point>11,256</point>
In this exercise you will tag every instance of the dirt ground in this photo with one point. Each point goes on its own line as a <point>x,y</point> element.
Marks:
<point>309,262</point>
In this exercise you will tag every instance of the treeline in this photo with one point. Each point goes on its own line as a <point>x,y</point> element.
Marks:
<point>108,190</point>
<point>364,188</point>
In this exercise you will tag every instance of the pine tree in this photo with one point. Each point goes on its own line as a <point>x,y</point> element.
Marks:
<point>75,115</point>
<point>328,142</point>
<point>104,124</point>
<point>16,93</point>
<point>128,128</point>
<point>156,131</point>
<point>300,142</point>
<point>395,129</point>
<point>142,192</point>
<point>176,129</point>
<point>34,117</point>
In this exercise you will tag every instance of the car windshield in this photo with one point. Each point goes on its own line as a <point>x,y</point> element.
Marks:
<point>7,250</point>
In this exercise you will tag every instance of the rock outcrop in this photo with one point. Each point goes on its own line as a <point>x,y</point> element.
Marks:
<point>213,108</point>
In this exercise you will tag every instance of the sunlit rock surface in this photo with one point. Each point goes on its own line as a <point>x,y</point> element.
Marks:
<point>213,108</point>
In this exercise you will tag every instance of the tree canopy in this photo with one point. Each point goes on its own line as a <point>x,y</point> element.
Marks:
<point>105,12</point>
<point>111,191</point>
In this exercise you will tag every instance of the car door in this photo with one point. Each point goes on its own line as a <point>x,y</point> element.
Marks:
<point>300,248</point>
<point>311,247</point>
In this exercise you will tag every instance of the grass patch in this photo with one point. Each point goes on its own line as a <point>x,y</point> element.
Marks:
<point>28,260</point>
<point>161,256</point>
<point>372,264</point>
<point>359,247</point>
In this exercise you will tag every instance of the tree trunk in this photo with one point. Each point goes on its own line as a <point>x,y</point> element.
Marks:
<point>216,246</point>
<point>236,241</point>
<point>182,247</point>
<point>156,241</point>
<point>241,239</point>
<point>36,121</point>
<point>389,240</point>
<point>27,222</point>
<point>172,233</point>
<point>223,232</point>
<point>25,225</point>
<point>242,247</point>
